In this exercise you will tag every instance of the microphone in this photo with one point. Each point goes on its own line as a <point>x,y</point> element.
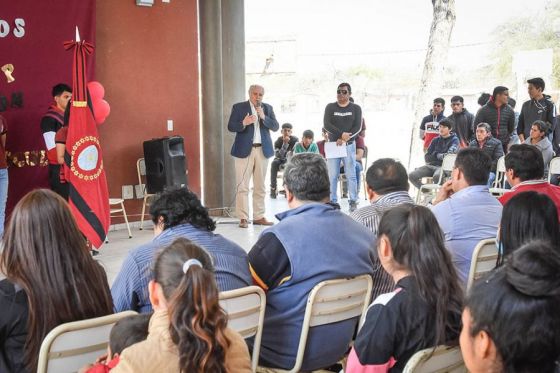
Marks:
<point>261,122</point>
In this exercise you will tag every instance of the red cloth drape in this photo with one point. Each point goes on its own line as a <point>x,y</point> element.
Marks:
<point>89,196</point>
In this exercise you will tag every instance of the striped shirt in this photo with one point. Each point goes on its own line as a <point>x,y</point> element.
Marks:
<point>130,289</point>
<point>370,217</point>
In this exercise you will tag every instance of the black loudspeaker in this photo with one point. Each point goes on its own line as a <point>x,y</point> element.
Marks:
<point>165,164</point>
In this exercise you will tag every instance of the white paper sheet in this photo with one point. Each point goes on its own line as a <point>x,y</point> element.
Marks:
<point>334,151</point>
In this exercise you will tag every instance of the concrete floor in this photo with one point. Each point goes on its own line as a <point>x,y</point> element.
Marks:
<point>113,253</point>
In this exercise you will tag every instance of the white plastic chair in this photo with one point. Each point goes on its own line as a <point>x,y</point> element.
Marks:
<point>446,168</point>
<point>553,168</point>
<point>141,170</point>
<point>245,309</point>
<point>443,360</point>
<point>498,186</point>
<point>70,346</point>
<point>484,257</point>
<point>120,202</point>
<point>333,301</point>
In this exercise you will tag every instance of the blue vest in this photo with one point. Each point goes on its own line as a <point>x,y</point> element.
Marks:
<point>322,243</point>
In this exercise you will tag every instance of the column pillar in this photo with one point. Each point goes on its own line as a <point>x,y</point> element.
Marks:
<point>212,131</point>
<point>233,70</point>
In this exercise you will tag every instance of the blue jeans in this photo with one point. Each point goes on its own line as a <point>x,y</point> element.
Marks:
<point>3,197</point>
<point>333,165</point>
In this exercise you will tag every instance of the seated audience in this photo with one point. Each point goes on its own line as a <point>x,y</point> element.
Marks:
<point>538,137</point>
<point>526,217</point>
<point>424,310</point>
<point>306,145</point>
<point>465,210</point>
<point>51,278</point>
<point>445,143</point>
<point>124,333</point>
<point>283,146</point>
<point>387,187</point>
<point>313,242</point>
<point>490,145</point>
<point>188,331</point>
<point>178,213</point>
<point>511,321</point>
<point>525,172</point>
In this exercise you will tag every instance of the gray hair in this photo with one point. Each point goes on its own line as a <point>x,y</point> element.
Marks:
<point>253,86</point>
<point>484,125</point>
<point>306,176</point>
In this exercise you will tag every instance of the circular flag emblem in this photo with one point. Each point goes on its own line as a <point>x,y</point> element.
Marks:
<point>86,163</point>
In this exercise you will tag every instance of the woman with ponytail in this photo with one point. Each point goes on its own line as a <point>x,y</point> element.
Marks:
<point>511,321</point>
<point>188,331</point>
<point>424,310</point>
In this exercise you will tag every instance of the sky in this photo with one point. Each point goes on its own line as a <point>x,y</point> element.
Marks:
<point>375,25</point>
<point>339,31</point>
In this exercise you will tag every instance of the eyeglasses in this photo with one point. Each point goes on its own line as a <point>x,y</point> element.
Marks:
<point>341,92</point>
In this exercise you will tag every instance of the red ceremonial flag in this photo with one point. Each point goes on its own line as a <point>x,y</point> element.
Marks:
<point>88,197</point>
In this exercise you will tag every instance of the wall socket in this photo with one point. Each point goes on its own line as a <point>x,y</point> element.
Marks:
<point>127,192</point>
<point>170,124</point>
<point>139,190</point>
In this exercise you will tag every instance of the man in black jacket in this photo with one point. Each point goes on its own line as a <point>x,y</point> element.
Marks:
<point>490,146</point>
<point>499,115</point>
<point>539,107</point>
<point>462,121</point>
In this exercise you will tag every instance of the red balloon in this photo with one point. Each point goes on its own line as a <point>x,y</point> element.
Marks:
<point>96,91</point>
<point>101,110</point>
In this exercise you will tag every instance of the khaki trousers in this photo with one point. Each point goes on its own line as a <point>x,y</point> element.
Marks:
<point>254,166</point>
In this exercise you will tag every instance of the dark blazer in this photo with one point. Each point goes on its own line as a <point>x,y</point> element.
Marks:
<point>244,135</point>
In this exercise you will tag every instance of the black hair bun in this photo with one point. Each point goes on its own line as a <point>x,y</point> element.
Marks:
<point>534,269</point>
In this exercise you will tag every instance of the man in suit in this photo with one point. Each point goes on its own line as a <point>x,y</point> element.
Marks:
<point>251,121</point>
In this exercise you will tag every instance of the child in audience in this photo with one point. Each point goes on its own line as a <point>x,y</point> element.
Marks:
<point>424,310</point>
<point>188,331</point>
<point>51,278</point>
<point>511,321</point>
<point>125,333</point>
<point>306,145</point>
<point>525,217</point>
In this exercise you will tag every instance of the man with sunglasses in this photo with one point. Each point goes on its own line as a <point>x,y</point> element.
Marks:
<point>342,123</point>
